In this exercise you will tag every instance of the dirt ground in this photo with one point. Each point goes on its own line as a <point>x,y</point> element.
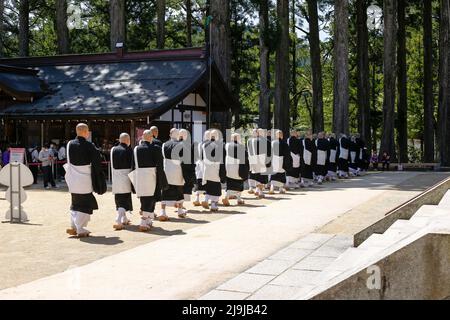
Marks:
<point>41,247</point>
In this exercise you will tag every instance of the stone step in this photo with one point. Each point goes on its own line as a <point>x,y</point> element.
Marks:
<point>425,211</point>
<point>445,201</point>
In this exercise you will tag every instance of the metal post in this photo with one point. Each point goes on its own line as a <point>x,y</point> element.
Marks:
<point>11,193</point>
<point>109,172</point>
<point>19,194</point>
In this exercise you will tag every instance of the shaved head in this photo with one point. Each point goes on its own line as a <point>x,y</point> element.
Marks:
<point>82,130</point>
<point>147,136</point>
<point>183,134</point>
<point>174,133</point>
<point>124,138</point>
<point>154,130</point>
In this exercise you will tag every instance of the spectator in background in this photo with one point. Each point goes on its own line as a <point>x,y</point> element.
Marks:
<point>33,160</point>
<point>374,160</point>
<point>46,157</point>
<point>385,161</point>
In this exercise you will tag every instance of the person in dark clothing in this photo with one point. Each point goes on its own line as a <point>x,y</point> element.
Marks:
<point>84,175</point>
<point>187,165</point>
<point>343,156</point>
<point>155,132</point>
<point>237,169</point>
<point>293,175</point>
<point>121,166</point>
<point>322,152</point>
<point>385,161</point>
<point>307,159</point>
<point>148,178</point>
<point>281,163</point>
<point>173,196</point>
<point>332,160</point>
<point>46,157</point>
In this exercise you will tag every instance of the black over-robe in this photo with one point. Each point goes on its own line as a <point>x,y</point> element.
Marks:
<point>263,146</point>
<point>188,166</point>
<point>343,163</point>
<point>362,159</point>
<point>353,163</point>
<point>281,149</point>
<point>215,152</point>
<point>251,151</point>
<point>237,151</point>
<point>305,169</point>
<point>323,145</point>
<point>82,153</point>
<point>173,150</point>
<point>122,157</point>
<point>294,147</point>
<point>334,145</point>
<point>150,156</point>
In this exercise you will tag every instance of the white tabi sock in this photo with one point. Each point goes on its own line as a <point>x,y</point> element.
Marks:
<point>121,214</point>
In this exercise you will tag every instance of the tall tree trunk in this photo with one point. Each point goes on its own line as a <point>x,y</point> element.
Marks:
<point>363,86</point>
<point>341,72</point>
<point>117,20</point>
<point>161,24</point>
<point>444,84</point>
<point>402,107</point>
<point>374,106</point>
<point>264,65</point>
<point>2,13</point>
<point>428,101</point>
<point>294,111</point>
<point>281,114</point>
<point>389,56</point>
<point>220,38</point>
<point>188,23</point>
<point>316,66</point>
<point>24,28</point>
<point>62,31</point>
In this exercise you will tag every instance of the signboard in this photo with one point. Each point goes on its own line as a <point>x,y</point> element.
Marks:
<point>17,155</point>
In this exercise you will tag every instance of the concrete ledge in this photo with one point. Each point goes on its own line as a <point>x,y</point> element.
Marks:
<point>431,196</point>
<point>420,270</point>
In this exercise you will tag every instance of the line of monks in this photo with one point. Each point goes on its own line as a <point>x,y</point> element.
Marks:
<point>168,172</point>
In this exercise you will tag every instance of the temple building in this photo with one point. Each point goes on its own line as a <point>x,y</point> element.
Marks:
<point>43,98</point>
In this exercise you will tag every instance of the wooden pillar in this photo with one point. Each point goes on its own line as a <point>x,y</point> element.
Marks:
<point>67,130</point>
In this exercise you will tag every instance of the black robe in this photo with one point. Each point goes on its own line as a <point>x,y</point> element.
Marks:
<point>323,145</point>
<point>353,148</point>
<point>188,166</point>
<point>173,149</point>
<point>334,145</point>
<point>294,147</point>
<point>237,151</point>
<point>215,151</point>
<point>81,153</point>
<point>122,157</point>
<point>263,146</point>
<point>282,151</point>
<point>305,169</point>
<point>362,159</point>
<point>157,142</point>
<point>343,163</point>
<point>150,156</point>
<point>251,151</point>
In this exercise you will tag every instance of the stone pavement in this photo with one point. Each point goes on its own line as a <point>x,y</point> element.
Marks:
<point>286,274</point>
<point>189,265</point>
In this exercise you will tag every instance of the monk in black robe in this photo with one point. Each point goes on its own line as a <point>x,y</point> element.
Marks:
<point>281,162</point>
<point>213,170</point>
<point>322,152</point>
<point>148,178</point>
<point>343,156</point>
<point>199,168</point>
<point>307,160</point>
<point>187,165</point>
<point>332,159</point>
<point>354,157</point>
<point>84,175</point>
<point>293,175</point>
<point>251,150</point>
<point>237,169</point>
<point>173,196</point>
<point>155,134</point>
<point>121,166</point>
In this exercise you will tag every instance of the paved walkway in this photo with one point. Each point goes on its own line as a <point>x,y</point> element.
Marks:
<point>190,265</point>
